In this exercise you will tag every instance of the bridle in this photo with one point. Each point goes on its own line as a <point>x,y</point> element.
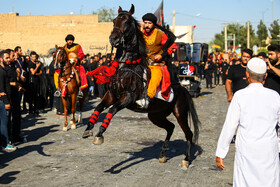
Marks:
<point>122,41</point>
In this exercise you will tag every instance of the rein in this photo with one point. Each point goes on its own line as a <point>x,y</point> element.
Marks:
<point>69,79</point>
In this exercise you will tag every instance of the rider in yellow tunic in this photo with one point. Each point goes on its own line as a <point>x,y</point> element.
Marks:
<point>75,54</point>
<point>155,41</point>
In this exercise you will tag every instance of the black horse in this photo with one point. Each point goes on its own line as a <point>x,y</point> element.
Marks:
<point>130,83</point>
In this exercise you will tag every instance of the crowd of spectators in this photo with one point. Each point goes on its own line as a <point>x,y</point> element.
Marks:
<point>27,87</point>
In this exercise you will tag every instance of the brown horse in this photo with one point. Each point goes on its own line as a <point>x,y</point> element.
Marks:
<point>68,83</point>
<point>130,84</point>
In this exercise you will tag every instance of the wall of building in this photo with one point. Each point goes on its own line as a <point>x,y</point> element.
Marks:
<point>41,33</point>
<point>184,33</point>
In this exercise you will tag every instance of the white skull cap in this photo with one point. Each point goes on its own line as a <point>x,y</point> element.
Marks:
<point>257,65</point>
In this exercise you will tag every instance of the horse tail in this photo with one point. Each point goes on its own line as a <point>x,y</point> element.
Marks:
<point>191,112</point>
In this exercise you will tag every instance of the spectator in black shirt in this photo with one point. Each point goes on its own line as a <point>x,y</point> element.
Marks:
<point>217,71</point>
<point>236,78</point>
<point>224,68</point>
<point>14,125</point>
<point>5,96</point>
<point>209,69</point>
<point>272,80</point>
<point>34,82</point>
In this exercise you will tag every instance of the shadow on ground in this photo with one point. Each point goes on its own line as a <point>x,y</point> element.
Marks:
<point>149,153</point>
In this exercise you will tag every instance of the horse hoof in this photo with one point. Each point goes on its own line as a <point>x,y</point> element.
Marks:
<point>162,159</point>
<point>185,163</point>
<point>98,140</point>
<point>64,129</point>
<point>73,126</point>
<point>87,134</point>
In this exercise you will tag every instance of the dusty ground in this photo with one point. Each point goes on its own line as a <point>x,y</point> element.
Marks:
<point>128,157</point>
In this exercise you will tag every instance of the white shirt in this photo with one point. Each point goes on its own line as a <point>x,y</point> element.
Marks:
<point>255,110</point>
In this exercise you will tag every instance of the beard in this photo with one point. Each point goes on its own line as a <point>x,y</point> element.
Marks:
<point>273,62</point>
<point>148,30</point>
<point>5,63</point>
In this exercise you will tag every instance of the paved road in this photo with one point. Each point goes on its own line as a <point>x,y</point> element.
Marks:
<point>128,157</point>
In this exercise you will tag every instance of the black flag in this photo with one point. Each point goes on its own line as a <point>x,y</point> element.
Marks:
<point>159,14</point>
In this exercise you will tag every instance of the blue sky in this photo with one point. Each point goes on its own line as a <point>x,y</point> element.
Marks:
<point>213,13</point>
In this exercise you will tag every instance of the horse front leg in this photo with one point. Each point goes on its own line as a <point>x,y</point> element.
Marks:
<point>119,105</point>
<point>107,101</point>
<point>73,110</point>
<point>64,102</point>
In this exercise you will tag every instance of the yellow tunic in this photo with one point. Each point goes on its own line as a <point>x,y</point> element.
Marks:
<point>154,47</point>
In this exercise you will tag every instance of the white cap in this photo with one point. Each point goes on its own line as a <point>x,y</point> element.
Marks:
<point>257,65</point>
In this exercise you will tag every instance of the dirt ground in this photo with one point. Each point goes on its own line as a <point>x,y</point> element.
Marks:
<point>128,157</point>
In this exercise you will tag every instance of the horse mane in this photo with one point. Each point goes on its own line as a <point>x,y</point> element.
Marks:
<point>142,43</point>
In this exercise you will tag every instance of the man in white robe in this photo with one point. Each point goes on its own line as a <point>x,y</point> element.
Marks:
<point>255,110</point>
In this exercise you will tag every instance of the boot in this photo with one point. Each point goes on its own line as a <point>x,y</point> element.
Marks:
<point>80,93</point>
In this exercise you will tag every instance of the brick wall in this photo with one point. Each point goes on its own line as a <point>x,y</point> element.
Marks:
<point>40,33</point>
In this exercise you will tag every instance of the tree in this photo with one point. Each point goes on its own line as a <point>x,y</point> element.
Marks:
<point>240,32</point>
<point>274,32</point>
<point>105,14</point>
<point>262,33</point>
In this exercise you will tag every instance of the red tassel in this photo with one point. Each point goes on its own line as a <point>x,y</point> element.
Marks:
<point>64,91</point>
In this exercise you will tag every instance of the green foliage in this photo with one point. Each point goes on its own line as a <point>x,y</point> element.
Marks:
<point>240,32</point>
<point>105,14</point>
<point>274,32</point>
<point>262,34</point>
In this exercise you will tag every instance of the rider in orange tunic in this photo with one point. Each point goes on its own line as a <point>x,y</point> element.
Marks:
<point>72,47</point>
<point>155,41</point>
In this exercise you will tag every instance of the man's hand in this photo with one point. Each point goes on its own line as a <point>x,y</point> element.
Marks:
<point>2,94</point>
<point>38,64</point>
<point>229,98</point>
<point>8,107</point>
<point>219,163</point>
<point>158,58</point>
<point>269,66</point>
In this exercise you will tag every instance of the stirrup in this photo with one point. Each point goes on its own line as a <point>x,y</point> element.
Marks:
<point>80,94</point>
<point>57,93</point>
<point>143,103</point>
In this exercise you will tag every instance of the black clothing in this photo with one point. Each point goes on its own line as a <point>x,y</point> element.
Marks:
<point>224,67</point>
<point>217,73</point>
<point>92,66</point>
<point>5,86</point>
<point>272,80</point>
<point>14,125</point>
<point>34,88</point>
<point>33,78</point>
<point>209,68</point>
<point>237,74</point>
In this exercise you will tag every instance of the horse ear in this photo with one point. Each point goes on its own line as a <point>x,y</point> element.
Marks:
<point>120,9</point>
<point>56,46</point>
<point>131,11</point>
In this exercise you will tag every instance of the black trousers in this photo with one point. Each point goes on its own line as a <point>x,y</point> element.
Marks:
<point>208,77</point>
<point>216,78</point>
<point>34,96</point>
<point>224,77</point>
<point>14,125</point>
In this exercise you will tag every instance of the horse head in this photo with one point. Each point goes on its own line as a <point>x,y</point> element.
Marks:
<point>60,57</point>
<point>124,26</point>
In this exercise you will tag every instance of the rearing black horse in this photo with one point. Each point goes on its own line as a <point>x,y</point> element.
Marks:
<point>130,83</point>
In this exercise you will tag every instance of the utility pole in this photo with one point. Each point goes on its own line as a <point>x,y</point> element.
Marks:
<point>173,22</point>
<point>248,34</point>
<point>233,41</point>
<point>225,37</point>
